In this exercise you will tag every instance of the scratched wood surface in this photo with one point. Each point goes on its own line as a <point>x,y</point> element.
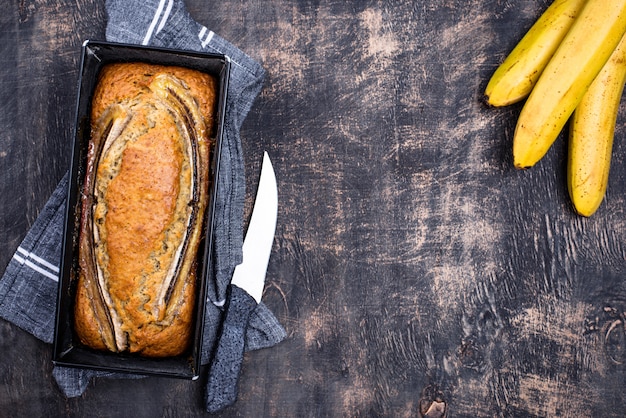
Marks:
<point>415,271</point>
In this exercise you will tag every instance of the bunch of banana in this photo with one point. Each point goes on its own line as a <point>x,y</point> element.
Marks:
<point>571,61</point>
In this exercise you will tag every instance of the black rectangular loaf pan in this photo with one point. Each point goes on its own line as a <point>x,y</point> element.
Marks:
<point>67,349</point>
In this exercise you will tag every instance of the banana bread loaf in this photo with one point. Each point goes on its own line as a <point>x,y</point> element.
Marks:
<point>143,203</point>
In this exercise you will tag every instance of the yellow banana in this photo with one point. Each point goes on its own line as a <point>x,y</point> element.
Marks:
<point>591,135</point>
<point>515,77</point>
<point>583,52</point>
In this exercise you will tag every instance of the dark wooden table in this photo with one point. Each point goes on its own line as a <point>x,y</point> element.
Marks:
<point>413,267</point>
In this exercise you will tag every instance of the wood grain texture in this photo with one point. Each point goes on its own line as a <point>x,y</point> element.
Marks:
<point>416,271</point>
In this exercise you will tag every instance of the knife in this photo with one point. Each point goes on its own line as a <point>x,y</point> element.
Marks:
<point>244,293</point>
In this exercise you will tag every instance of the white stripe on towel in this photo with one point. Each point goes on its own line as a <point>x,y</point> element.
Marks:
<point>170,3</point>
<point>38,264</point>
<point>208,38</point>
<point>38,259</point>
<point>155,20</point>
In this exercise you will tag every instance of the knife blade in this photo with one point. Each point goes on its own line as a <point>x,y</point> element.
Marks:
<point>244,293</point>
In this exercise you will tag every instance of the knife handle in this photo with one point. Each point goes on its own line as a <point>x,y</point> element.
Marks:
<point>226,365</point>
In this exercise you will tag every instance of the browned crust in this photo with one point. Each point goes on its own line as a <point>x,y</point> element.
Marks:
<point>138,208</point>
